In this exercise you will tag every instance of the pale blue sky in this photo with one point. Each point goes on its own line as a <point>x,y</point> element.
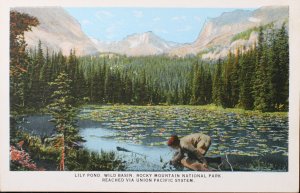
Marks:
<point>173,24</point>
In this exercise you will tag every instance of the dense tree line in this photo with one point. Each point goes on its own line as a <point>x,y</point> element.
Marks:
<point>255,78</point>
<point>137,80</point>
<point>100,79</point>
<point>259,78</point>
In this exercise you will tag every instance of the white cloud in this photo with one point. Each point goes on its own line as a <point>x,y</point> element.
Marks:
<point>138,14</point>
<point>185,29</point>
<point>178,18</point>
<point>155,19</point>
<point>103,14</point>
<point>86,22</point>
<point>197,18</point>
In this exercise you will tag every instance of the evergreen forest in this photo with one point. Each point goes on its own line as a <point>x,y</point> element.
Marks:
<point>252,79</point>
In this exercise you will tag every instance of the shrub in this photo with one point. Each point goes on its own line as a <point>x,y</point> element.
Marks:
<point>21,161</point>
<point>84,160</point>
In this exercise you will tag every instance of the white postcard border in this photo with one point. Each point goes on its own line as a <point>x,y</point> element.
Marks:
<point>229,181</point>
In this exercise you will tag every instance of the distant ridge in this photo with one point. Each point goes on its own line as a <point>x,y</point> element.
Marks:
<point>215,37</point>
<point>141,44</point>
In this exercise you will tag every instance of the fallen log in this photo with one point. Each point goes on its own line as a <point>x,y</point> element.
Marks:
<point>126,150</point>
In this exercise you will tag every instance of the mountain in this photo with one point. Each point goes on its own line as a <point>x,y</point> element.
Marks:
<point>220,34</point>
<point>141,44</point>
<point>58,31</point>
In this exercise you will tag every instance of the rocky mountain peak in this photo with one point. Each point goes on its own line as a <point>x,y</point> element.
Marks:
<point>217,33</point>
<point>58,30</point>
<point>147,43</point>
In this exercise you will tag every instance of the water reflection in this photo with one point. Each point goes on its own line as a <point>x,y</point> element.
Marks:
<point>144,131</point>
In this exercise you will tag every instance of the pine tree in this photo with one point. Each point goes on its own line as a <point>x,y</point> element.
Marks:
<point>142,90</point>
<point>202,83</point>
<point>195,85</point>
<point>118,86</point>
<point>234,79</point>
<point>258,85</point>
<point>127,90</point>
<point>262,83</point>
<point>218,86</point>
<point>45,77</point>
<point>247,64</point>
<point>109,86</point>
<point>72,65</point>
<point>19,60</point>
<point>103,78</point>
<point>36,88</point>
<point>80,86</point>
<point>63,113</point>
<point>280,72</point>
<point>208,87</point>
<point>228,70</point>
<point>97,87</point>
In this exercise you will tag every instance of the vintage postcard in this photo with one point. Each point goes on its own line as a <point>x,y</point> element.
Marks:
<point>143,96</point>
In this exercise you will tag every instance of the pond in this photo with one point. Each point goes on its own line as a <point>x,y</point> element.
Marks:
<point>252,141</point>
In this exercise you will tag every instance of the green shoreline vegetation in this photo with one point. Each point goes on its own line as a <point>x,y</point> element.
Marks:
<point>210,107</point>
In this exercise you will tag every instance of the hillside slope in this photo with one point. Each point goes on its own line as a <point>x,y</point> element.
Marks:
<point>58,31</point>
<point>215,39</point>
